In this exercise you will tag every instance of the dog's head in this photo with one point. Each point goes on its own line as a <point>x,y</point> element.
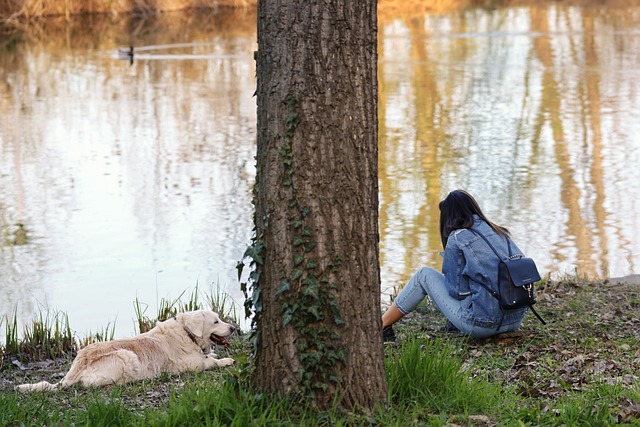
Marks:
<point>206,328</point>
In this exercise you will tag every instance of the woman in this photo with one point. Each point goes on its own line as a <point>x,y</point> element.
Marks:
<point>467,262</point>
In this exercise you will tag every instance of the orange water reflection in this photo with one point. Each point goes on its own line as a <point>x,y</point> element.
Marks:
<point>531,109</point>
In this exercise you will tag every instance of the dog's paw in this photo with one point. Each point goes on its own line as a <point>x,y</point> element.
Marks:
<point>227,361</point>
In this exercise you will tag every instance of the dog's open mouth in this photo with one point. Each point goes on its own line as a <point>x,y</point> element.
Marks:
<point>217,339</point>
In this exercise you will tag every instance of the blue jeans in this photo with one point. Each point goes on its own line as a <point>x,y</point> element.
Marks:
<point>428,281</point>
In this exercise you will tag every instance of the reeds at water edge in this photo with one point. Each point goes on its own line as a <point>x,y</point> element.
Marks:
<point>49,334</point>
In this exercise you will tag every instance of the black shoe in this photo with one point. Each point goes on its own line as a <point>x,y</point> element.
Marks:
<point>450,327</point>
<point>388,334</point>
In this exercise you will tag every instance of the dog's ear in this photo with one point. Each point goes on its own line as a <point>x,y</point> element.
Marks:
<point>193,321</point>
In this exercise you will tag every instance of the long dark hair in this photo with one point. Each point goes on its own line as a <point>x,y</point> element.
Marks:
<point>457,210</point>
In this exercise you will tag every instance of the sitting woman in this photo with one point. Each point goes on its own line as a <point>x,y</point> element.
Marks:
<point>469,265</point>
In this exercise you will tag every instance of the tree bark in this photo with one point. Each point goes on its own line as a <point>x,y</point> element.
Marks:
<point>317,283</point>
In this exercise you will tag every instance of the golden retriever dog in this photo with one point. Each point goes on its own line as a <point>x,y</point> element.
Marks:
<point>179,344</point>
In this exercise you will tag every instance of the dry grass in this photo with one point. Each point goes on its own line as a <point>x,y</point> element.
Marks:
<point>57,35</point>
<point>14,12</point>
<point>17,11</point>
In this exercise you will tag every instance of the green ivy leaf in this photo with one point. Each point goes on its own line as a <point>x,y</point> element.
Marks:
<point>293,117</point>
<point>314,312</point>
<point>257,301</point>
<point>321,386</point>
<point>255,253</point>
<point>310,282</point>
<point>285,149</point>
<point>297,273</point>
<point>285,286</point>
<point>240,268</point>
<point>311,292</point>
<point>248,308</point>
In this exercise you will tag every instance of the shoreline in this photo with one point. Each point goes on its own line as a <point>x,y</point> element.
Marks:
<point>628,280</point>
<point>633,279</point>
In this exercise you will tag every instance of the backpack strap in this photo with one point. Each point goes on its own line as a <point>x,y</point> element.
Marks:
<point>491,291</point>
<point>490,245</point>
<point>533,310</point>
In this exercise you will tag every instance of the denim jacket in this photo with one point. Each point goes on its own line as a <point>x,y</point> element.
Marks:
<point>468,260</point>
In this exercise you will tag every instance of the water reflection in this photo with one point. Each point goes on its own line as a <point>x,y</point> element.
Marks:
<point>132,181</point>
<point>121,181</point>
<point>532,110</point>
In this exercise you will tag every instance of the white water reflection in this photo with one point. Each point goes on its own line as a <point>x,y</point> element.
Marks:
<point>120,182</point>
<point>132,181</point>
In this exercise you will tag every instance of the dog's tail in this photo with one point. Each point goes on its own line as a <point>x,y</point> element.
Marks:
<point>41,386</point>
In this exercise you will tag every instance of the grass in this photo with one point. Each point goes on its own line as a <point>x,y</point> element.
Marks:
<point>215,299</point>
<point>579,370</point>
<point>49,336</point>
<point>422,374</point>
<point>106,334</point>
<point>223,399</point>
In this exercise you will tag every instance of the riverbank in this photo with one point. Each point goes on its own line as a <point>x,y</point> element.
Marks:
<point>581,368</point>
<point>633,279</point>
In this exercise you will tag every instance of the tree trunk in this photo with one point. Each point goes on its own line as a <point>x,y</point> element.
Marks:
<point>317,295</point>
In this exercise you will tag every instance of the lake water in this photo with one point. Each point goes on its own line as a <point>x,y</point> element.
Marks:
<point>124,181</point>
